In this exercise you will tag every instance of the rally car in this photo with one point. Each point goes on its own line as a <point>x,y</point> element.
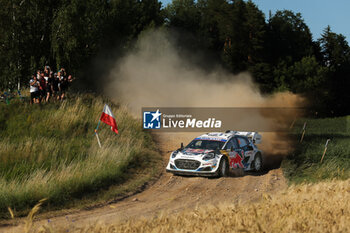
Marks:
<point>215,154</point>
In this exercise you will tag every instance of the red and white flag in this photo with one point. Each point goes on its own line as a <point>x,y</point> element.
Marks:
<point>108,118</point>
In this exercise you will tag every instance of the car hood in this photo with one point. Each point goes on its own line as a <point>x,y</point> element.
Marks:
<point>194,152</point>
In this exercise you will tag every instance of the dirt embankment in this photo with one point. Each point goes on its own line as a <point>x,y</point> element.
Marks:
<point>172,194</point>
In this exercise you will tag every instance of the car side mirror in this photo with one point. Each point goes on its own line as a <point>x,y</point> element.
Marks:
<point>182,145</point>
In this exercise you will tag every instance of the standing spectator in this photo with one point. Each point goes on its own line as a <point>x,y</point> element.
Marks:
<point>34,90</point>
<point>63,72</point>
<point>63,86</point>
<point>42,86</point>
<point>47,71</point>
<point>38,74</point>
<point>55,86</point>
<point>49,87</point>
<point>70,79</point>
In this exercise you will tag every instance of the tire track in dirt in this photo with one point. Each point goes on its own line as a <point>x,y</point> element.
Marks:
<point>172,194</point>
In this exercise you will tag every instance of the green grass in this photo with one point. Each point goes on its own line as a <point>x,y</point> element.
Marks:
<point>50,151</point>
<point>304,164</point>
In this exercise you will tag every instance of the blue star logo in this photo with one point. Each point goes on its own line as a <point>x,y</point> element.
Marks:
<point>151,120</point>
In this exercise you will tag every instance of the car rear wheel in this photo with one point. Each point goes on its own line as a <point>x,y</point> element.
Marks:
<point>258,163</point>
<point>223,168</point>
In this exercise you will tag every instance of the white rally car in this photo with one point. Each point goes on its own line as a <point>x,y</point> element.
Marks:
<point>215,154</point>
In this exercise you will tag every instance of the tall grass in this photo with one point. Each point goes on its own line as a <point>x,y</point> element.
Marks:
<point>304,164</point>
<point>50,151</point>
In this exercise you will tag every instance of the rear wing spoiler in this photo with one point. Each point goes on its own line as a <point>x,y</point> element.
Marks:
<point>254,136</point>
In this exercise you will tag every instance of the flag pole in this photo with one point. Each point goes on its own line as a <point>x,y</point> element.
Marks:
<point>98,139</point>
<point>304,130</point>
<point>325,149</point>
<point>98,124</point>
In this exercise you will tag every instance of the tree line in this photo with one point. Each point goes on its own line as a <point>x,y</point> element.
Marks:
<point>278,49</point>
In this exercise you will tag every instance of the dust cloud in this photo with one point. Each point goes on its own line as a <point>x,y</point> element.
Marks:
<point>155,74</point>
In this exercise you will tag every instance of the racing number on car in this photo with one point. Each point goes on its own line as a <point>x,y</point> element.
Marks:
<point>235,160</point>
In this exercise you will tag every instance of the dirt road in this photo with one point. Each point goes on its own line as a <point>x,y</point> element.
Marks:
<point>171,194</point>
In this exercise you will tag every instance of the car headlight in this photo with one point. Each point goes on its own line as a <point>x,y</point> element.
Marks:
<point>173,155</point>
<point>209,156</point>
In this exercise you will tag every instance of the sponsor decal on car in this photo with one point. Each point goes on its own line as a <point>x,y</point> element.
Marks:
<point>235,160</point>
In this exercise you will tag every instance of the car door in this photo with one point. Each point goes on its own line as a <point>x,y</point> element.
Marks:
<point>247,149</point>
<point>235,154</point>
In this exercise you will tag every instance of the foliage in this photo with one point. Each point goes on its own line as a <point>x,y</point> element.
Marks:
<point>278,50</point>
<point>66,33</point>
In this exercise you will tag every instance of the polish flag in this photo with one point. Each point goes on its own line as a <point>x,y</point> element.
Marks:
<point>108,118</point>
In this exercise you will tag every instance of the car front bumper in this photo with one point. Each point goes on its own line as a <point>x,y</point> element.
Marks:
<point>192,173</point>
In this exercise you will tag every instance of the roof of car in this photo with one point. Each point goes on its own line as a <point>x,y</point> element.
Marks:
<point>216,136</point>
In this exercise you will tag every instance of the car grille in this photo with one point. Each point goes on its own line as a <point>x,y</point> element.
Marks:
<point>187,164</point>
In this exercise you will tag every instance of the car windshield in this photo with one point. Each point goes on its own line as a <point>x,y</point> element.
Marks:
<point>205,144</point>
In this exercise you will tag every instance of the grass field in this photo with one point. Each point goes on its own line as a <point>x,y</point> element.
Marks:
<point>304,164</point>
<point>50,151</point>
<point>318,207</point>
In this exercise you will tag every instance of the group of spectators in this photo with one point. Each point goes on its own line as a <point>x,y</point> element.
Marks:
<point>46,84</point>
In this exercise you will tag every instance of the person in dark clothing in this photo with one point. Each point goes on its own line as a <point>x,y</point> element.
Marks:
<point>47,71</point>
<point>42,86</point>
<point>55,86</point>
<point>49,87</point>
<point>63,86</point>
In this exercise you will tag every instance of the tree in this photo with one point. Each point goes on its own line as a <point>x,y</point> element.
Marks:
<point>289,36</point>
<point>25,40</point>
<point>244,45</point>
<point>214,23</point>
<point>335,48</point>
<point>77,31</point>
<point>336,57</point>
<point>183,15</point>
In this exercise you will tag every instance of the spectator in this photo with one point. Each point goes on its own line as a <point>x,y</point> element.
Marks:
<point>63,86</point>
<point>47,71</point>
<point>38,74</point>
<point>55,86</point>
<point>34,90</point>
<point>49,81</point>
<point>70,79</point>
<point>63,73</point>
<point>42,86</point>
<point>46,84</point>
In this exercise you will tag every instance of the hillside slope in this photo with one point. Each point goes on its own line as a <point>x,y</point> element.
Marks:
<point>50,151</point>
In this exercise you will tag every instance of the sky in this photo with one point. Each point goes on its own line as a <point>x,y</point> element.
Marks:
<point>318,14</point>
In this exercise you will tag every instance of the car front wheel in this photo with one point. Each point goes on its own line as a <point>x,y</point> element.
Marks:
<point>223,168</point>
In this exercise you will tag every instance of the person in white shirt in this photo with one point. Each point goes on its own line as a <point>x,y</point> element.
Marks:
<point>34,90</point>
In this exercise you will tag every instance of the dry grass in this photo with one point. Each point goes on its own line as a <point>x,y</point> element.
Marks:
<point>322,207</point>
